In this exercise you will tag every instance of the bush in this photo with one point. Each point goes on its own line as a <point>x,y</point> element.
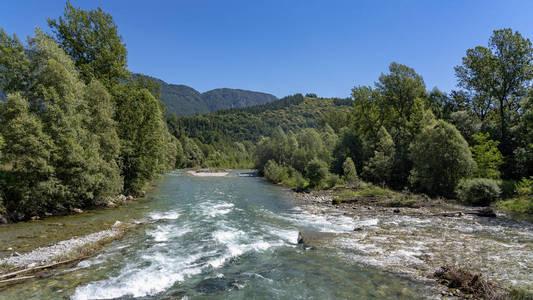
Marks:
<point>441,158</point>
<point>508,188</point>
<point>336,201</point>
<point>332,180</point>
<point>274,172</point>
<point>295,179</point>
<point>479,191</point>
<point>523,204</point>
<point>525,187</point>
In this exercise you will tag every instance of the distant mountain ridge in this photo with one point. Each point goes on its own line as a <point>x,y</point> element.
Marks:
<point>183,100</point>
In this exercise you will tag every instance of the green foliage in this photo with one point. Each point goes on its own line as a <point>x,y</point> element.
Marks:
<point>441,158</point>
<point>26,157</point>
<point>75,133</point>
<point>508,188</point>
<point>349,171</point>
<point>497,74</point>
<point>336,201</point>
<point>91,39</point>
<point>487,156</point>
<point>523,204</point>
<point>15,64</point>
<point>317,171</point>
<point>373,191</point>
<point>332,180</point>
<point>525,187</point>
<point>478,191</point>
<point>144,136</point>
<point>250,124</point>
<point>274,172</point>
<point>379,167</point>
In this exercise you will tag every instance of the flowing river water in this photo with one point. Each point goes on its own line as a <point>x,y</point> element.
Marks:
<point>231,237</point>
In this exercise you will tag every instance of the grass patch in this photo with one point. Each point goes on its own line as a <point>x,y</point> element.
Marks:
<point>368,191</point>
<point>344,193</point>
<point>520,293</point>
<point>373,191</point>
<point>336,201</point>
<point>402,200</point>
<point>523,204</point>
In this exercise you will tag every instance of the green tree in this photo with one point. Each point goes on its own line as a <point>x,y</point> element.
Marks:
<point>91,38</point>
<point>59,98</point>
<point>379,167</point>
<point>497,74</point>
<point>143,135</point>
<point>487,156</point>
<point>317,171</point>
<point>29,178</point>
<point>349,171</point>
<point>441,158</point>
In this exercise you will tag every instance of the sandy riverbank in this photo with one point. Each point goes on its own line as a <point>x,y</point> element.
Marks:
<point>207,173</point>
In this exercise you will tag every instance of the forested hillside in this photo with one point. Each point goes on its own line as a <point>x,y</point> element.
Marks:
<point>182,100</point>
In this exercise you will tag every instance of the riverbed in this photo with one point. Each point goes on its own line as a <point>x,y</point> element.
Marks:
<point>232,237</point>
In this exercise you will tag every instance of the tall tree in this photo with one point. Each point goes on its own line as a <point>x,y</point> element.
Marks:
<point>91,38</point>
<point>498,74</point>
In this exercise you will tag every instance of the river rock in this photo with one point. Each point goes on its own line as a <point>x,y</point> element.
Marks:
<point>117,224</point>
<point>482,212</point>
<point>34,218</point>
<point>315,238</point>
<point>77,210</point>
<point>129,198</point>
<point>3,220</point>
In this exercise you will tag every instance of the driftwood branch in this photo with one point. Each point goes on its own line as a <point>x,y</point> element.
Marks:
<point>38,268</point>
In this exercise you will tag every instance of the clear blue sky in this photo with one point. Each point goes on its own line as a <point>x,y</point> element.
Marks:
<point>285,47</point>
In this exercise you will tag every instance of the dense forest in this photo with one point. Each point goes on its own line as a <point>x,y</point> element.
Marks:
<point>77,128</point>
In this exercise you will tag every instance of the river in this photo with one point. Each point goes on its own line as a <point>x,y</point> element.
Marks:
<point>219,238</point>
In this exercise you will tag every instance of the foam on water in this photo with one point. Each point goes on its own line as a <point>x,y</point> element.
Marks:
<point>324,223</point>
<point>135,281</point>
<point>169,215</point>
<point>213,210</point>
<point>163,233</point>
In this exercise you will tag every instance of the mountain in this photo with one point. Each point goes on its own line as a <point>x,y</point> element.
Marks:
<point>182,100</point>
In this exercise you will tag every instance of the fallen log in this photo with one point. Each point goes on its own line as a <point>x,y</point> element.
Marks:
<point>38,268</point>
<point>11,280</point>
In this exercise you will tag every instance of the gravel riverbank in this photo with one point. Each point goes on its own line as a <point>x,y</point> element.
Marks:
<point>419,240</point>
<point>45,255</point>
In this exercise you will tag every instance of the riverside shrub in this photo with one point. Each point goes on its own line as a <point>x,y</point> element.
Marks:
<point>478,191</point>
<point>274,172</point>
